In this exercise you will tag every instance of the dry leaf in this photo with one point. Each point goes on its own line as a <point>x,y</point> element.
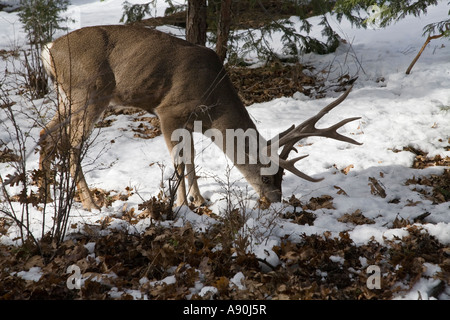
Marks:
<point>340,191</point>
<point>346,170</point>
<point>356,218</point>
<point>322,202</point>
<point>376,188</point>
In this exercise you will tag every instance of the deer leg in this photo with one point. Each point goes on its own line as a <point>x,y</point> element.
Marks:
<point>179,172</point>
<point>181,190</point>
<point>179,150</point>
<point>82,124</point>
<point>183,154</point>
<point>67,134</point>
<point>194,192</point>
<point>76,172</point>
<point>71,142</point>
<point>50,137</point>
<point>47,142</point>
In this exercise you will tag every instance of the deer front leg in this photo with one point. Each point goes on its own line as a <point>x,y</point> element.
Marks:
<point>178,165</point>
<point>194,192</point>
<point>180,144</point>
<point>186,169</point>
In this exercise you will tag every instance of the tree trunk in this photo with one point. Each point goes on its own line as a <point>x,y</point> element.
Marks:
<point>196,22</point>
<point>223,29</point>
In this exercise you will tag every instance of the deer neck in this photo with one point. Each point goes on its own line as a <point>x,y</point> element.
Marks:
<point>237,136</point>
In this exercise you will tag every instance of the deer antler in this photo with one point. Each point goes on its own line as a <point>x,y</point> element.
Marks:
<point>288,138</point>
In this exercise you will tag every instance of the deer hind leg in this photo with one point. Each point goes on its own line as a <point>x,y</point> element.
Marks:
<point>68,132</point>
<point>47,144</point>
<point>76,172</point>
<point>82,124</point>
<point>50,138</point>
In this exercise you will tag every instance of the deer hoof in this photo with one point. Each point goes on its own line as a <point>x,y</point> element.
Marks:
<point>198,201</point>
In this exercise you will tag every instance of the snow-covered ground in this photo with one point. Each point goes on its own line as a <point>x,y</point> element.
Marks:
<point>397,111</point>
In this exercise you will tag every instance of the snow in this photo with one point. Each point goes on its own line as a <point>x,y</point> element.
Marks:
<point>397,110</point>
<point>337,259</point>
<point>166,280</point>
<point>208,290</point>
<point>237,281</point>
<point>420,290</point>
<point>10,5</point>
<point>34,274</point>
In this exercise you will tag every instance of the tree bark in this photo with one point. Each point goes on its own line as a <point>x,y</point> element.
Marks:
<point>223,29</point>
<point>196,22</point>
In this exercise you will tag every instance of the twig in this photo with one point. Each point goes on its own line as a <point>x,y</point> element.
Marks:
<point>408,71</point>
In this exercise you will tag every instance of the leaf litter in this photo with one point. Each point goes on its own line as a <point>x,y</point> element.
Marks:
<point>138,266</point>
<point>122,265</point>
<point>166,261</point>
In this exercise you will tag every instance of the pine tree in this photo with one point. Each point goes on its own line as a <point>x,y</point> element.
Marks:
<point>220,16</point>
<point>389,11</point>
<point>136,12</point>
<point>40,20</point>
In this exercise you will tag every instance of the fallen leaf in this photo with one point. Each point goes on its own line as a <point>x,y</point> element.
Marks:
<point>376,188</point>
<point>346,170</point>
<point>340,191</point>
<point>356,218</point>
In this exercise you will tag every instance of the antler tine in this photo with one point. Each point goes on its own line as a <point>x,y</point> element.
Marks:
<point>288,138</point>
<point>288,147</point>
<point>290,166</point>
<point>331,132</point>
<point>332,105</point>
<point>308,129</point>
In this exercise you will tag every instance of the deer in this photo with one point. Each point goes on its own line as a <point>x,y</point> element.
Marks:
<point>94,68</point>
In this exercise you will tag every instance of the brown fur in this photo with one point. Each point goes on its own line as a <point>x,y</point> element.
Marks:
<point>140,67</point>
<point>177,81</point>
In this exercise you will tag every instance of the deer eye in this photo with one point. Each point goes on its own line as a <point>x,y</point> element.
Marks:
<point>265,179</point>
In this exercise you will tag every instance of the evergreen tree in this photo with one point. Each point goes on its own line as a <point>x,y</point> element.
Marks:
<point>136,12</point>
<point>441,28</point>
<point>388,11</point>
<point>220,18</point>
<point>434,30</point>
<point>40,20</point>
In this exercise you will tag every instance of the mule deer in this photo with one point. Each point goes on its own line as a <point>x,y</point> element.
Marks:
<point>171,78</point>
